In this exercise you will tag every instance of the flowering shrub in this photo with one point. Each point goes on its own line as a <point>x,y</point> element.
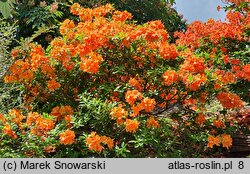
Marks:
<point>115,88</point>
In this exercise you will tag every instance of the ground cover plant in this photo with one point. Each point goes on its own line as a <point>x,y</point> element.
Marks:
<point>110,87</point>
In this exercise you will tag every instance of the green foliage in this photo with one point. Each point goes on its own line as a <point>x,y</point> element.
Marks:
<point>144,11</point>
<point>94,114</point>
<point>35,20</point>
<point>6,6</point>
<point>7,35</point>
<point>10,97</point>
<point>9,93</point>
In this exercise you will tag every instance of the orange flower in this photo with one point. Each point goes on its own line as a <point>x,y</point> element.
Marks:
<point>48,70</point>
<point>228,78</point>
<point>230,100</point>
<point>170,77</point>
<point>42,126</point>
<point>56,112</point>
<point>16,116</point>
<point>226,140</point>
<point>108,141</point>
<point>8,131</point>
<point>168,51</point>
<point>66,26</point>
<point>218,8</point>
<point>218,123</point>
<point>152,123</point>
<point>66,110</point>
<point>121,16</point>
<point>193,64</point>
<point>67,118</point>
<point>52,85</point>
<point>136,109</point>
<point>200,119</point>
<point>2,119</point>
<point>92,63</point>
<point>75,8</point>
<point>102,10</point>
<point>246,72</point>
<point>118,113</point>
<point>213,31</point>
<point>197,81</point>
<point>67,137</point>
<point>213,141</point>
<point>45,124</point>
<point>135,83</point>
<point>32,117</point>
<point>148,104</point>
<point>132,95</point>
<point>131,125</point>
<point>14,53</point>
<point>93,141</point>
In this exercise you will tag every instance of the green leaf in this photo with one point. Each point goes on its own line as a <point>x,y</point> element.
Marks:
<point>5,8</point>
<point>190,78</point>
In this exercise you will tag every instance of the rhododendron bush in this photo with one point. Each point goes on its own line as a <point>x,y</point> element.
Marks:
<point>110,87</point>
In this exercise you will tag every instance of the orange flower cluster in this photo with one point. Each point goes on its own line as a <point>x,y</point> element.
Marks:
<point>42,126</point>
<point>131,125</point>
<point>135,83</point>
<point>37,57</point>
<point>52,85</point>
<point>246,72</point>
<point>94,142</point>
<point>92,63</point>
<point>8,131</point>
<point>192,72</point>
<point>20,71</point>
<point>119,114</point>
<point>121,16</point>
<point>238,2</point>
<point>132,95</point>
<point>151,122</point>
<point>16,116</point>
<point>136,109</point>
<point>200,120</point>
<point>193,65</point>
<point>225,77</point>
<point>170,77</point>
<point>218,123</point>
<point>86,14</point>
<point>67,26</point>
<point>152,32</point>
<point>214,30</point>
<point>230,100</point>
<point>2,119</point>
<point>32,117</point>
<point>168,51</point>
<point>67,137</point>
<point>226,140</point>
<point>61,111</point>
<point>148,104</point>
<point>196,82</point>
<point>223,139</point>
<point>213,141</point>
